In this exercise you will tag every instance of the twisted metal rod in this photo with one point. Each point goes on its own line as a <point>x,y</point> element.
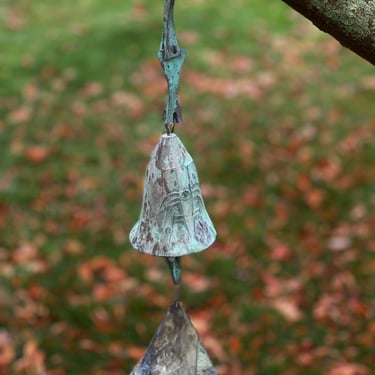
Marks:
<point>171,58</point>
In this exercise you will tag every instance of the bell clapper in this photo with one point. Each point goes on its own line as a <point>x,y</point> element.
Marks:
<point>175,268</point>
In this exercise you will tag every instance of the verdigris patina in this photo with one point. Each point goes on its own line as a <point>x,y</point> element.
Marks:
<point>171,57</point>
<point>173,220</point>
<point>175,349</point>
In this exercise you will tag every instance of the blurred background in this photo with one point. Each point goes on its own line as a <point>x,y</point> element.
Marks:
<point>280,120</point>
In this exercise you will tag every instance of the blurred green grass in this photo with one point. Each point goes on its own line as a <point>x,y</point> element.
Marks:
<point>280,121</point>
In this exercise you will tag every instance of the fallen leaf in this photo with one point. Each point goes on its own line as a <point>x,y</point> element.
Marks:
<point>287,308</point>
<point>32,360</point>
<point>92,89</point>
<point>235,344</point>
<point>20,115</point>
<point>225,87</point>
<point>15,20</point>
<point>135,352</point>
<point>101,268</point>
<point>314,197</point>
<point>30,91</point>
<point>196,282</point>
<point>130,101</point>
<point>36,154</point>
<point>6,349</point>
<point>24,253</point>
<point>348,369</point>
<point>368,83</point>
<point>280,252</point>
<point>339,243</point>
<point>243,64</point>
<point>189,37</point>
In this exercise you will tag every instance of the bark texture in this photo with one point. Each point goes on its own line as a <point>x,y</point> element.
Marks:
<point>351,22</point>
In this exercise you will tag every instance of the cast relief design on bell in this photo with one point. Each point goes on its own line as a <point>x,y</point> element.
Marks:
<point>173,220</point>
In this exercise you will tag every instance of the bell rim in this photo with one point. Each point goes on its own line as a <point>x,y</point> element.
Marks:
<point>169,253</point>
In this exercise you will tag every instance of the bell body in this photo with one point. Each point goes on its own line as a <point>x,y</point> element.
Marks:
<point>176,348</point>
<point>173,220</point>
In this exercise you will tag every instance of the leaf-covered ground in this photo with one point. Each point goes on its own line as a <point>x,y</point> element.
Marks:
<point>280,120</point>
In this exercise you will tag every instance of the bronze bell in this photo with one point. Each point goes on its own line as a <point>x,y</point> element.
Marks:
<point>173,220</point>
<point>176,348</point>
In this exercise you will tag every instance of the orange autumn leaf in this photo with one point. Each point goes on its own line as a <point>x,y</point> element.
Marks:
<point>287,308</point>
<point>348,369</point>
<point>314,197</point>
<point>36,154</point>
<point>235,344</point>
<point>20,115</point>
<point>135,352</point>
<point>32,360</point>
<point>6,349</point>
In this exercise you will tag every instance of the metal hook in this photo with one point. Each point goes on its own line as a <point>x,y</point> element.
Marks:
<point>171,57</point>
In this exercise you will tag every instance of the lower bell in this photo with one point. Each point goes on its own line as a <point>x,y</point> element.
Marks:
<point>176,348</point>
<point>173,220</point>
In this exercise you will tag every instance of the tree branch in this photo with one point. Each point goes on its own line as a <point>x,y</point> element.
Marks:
<point>351,22</point>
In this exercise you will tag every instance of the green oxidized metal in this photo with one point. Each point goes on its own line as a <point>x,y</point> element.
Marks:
<point>175,349</point>
<point>174,265</point>
<point>171,57</point>
<point>173,220</point>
